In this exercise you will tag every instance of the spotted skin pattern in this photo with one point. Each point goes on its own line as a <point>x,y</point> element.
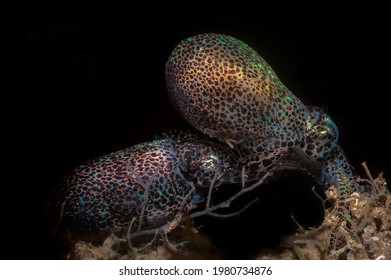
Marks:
<point>227,91</point>
<point>106,193</point>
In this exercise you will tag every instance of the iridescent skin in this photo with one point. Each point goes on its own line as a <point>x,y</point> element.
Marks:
<point>227,91</point>
<point>106,193</point>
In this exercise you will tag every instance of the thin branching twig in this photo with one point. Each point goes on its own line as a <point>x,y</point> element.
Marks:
<point>180,215</point>
<point>228,202</point>
<point>234,213</point>
<point>146,186</point>
<point>369,175</point>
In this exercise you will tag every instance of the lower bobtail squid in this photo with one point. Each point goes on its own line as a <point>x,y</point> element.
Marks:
<point>251,125</point>
<point>151,183</point>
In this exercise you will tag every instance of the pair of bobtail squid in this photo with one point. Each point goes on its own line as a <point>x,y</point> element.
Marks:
<point>251,124</point>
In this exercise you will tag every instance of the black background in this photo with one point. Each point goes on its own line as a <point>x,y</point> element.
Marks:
<point>92,83</point>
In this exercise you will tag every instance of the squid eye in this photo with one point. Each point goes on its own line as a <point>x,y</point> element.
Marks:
<point>208,165</point>
<point>325,134</point>
<point>322,129</point>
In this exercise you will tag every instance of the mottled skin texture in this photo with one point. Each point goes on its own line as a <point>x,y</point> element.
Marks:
<point>227,91</point>
<point>106,193</point>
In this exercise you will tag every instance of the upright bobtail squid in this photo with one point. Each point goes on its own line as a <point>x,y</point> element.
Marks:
<point>227,90</point>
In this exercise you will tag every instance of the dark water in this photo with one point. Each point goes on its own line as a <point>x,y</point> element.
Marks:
<point>91,85</point>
